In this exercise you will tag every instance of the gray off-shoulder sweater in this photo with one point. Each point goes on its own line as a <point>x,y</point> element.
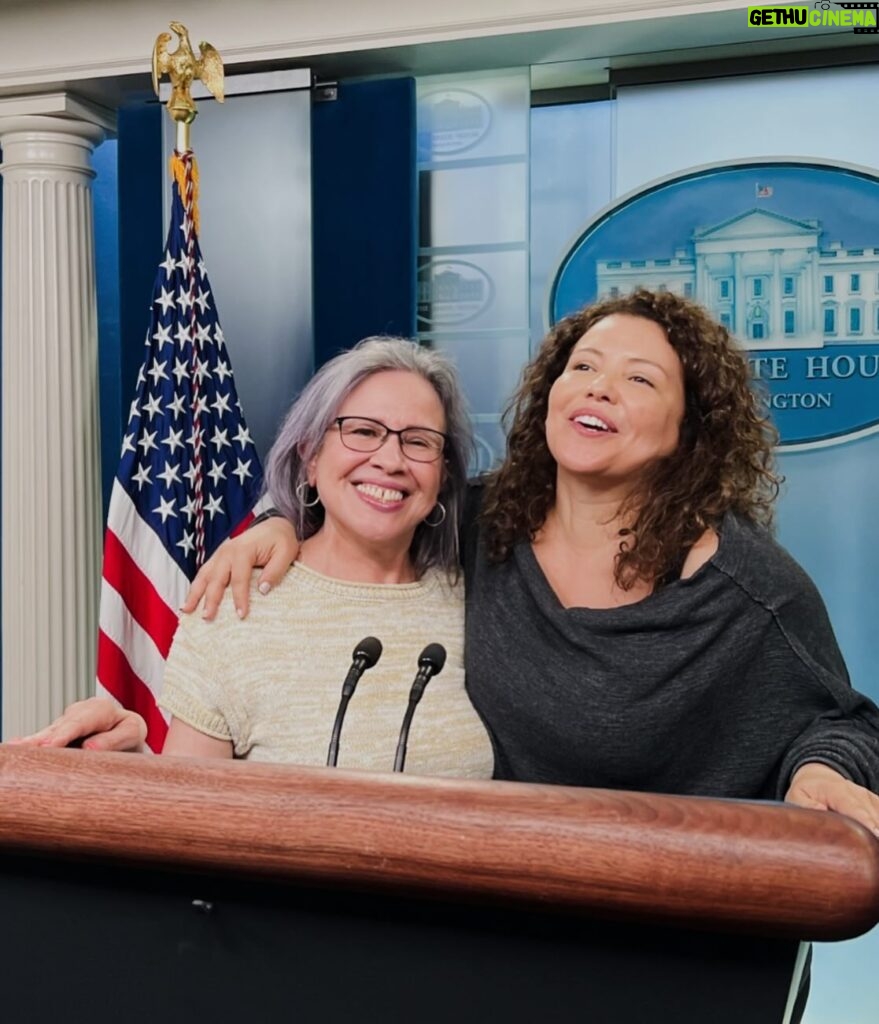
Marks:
<point>718,685</point>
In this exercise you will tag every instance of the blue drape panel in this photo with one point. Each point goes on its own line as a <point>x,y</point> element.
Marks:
<point>364,206</point>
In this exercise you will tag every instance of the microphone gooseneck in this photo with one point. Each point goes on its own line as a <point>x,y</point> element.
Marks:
<point>365,655</point>
<point>430,664</point>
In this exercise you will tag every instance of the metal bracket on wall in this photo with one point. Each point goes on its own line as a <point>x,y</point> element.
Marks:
<point>324,92</point>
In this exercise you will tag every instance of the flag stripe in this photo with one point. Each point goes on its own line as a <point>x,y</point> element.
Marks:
<point>120,626</point>
<point>145,548</point>
<point>116,670</point>
<point>141,598</point>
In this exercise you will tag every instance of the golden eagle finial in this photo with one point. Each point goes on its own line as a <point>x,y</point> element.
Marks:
<point>183,67</point>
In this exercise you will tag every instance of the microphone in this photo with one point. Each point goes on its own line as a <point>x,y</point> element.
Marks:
<point>430,663</point>
<point>365,655</point>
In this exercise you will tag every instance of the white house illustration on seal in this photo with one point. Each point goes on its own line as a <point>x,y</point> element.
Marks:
<point>764,276</point>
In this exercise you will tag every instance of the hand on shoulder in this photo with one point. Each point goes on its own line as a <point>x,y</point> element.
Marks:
<point>271,544</point>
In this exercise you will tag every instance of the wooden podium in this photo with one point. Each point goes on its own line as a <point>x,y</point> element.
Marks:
<point>143,889</point>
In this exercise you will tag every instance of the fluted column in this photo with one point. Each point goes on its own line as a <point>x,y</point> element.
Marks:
<point>50,469</point>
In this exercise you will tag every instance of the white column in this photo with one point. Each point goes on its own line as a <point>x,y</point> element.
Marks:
<point>50,460</point>
<point>776,313</point>
<point>740,319</point>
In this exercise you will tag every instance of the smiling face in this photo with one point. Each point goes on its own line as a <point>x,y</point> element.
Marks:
<point>618,405</point>
<point>377,499</point>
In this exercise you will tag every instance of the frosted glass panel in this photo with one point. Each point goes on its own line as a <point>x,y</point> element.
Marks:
<point>473,151</point>
<point>473,116</point>
<point>493,366</point>
<point>467,205</point>
<point>481,290</point>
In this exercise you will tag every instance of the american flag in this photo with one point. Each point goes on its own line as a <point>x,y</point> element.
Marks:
<point>188,477</point>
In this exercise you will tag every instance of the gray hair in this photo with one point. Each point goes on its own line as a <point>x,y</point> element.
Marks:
<point>312,415</point>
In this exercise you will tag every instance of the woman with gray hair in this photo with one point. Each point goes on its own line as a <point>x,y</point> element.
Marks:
<point>370,464</point>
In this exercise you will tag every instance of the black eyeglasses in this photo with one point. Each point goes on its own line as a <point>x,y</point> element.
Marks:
<point>360,434</point>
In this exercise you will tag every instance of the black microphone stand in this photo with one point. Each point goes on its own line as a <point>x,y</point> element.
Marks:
<point>430,663</point>
<point>366,654</point>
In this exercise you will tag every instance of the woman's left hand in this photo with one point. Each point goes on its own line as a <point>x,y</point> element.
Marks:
<point>820,788</point>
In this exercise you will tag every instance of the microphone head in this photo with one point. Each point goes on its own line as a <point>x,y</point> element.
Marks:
<point>433,657</point>
<point>369,650</point>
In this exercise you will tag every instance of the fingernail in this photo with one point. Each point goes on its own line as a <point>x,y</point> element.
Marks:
<point>239,613</point>
<point>265,587</point>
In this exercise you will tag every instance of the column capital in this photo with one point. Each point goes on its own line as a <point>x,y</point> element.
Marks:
<point>59,106</point>
<point>37,143</point>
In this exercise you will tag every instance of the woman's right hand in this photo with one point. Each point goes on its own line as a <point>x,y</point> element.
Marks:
<point>272,545</point>
<point>97,723</point>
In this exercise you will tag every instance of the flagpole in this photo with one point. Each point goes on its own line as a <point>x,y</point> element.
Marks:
<point>183,68</point>
<point>189,473</point>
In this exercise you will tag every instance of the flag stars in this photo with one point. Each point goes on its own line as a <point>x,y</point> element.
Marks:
<point>173,440</point>
<point>216,472</point>
<point>183,335</point>
<point>157,371</point>
<point>203,334</point>
<point>201,370</point>
<point>152,407</point>
<point>180,371</point>
<point>148,441</point>
<point>141,477</point>
<point>166,300</point>
<point>220,439</point>
<point>175,406</point>
<point>165,509</point>
<point>222,370</point>
<point>170,475</point>
<point>168,264</point>
<point>221,404</point>
<point>242,471</point>
<point>243,436</point>
<point>162,337</point>
<point>187,543</point>
<point>213,506</point>
<point>185,414</point>
<point>184,300</point>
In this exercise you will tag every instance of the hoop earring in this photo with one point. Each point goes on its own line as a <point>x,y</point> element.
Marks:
<point>442,515</point>
<point>301,488</point>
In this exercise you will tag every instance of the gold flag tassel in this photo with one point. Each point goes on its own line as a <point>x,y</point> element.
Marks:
<point>178,173</point>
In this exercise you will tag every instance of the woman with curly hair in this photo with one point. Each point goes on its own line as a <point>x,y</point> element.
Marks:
<point>630,622</point>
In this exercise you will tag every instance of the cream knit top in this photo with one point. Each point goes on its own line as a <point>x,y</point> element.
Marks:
<point>271,683</point>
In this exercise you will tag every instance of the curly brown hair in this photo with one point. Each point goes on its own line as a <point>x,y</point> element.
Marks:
<point>723,461</point>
